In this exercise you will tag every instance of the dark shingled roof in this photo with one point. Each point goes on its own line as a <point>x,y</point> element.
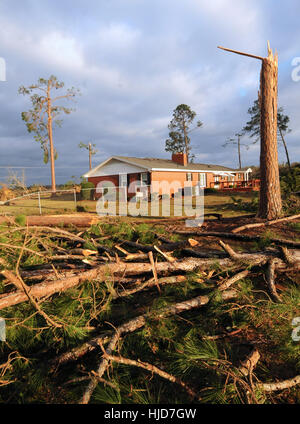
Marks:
<point>169,164</point>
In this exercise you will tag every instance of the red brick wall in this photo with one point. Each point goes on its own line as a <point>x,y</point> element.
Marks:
<point>180,158</point>
<point>96,180</point>
<point>168,176</point>
<point>115,180</point>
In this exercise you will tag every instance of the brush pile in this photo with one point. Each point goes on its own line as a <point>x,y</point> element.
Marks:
<point>122,312</point>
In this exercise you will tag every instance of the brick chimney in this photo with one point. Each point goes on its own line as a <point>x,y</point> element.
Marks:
<point>180,158</point>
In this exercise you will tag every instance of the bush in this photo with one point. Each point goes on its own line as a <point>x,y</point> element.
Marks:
<point>290,181</point>
<point>85,193</point>
<point>291,205</point>
<point>239,205</point>
<point>21,220</point>
<point>210,190</point>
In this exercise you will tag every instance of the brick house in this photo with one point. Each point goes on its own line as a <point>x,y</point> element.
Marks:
<point>131,172</point>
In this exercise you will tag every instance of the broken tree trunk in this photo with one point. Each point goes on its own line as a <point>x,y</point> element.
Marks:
<point>270,205</point>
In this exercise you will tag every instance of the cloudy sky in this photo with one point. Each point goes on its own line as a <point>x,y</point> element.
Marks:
<point>134,62</point>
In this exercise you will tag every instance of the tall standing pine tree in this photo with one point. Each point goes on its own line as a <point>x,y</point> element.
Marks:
<point>252,127</point>
<point>179,141</point>
<point>44,113</point>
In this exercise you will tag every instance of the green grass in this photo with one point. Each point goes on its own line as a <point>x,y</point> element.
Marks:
<point>213,203</point>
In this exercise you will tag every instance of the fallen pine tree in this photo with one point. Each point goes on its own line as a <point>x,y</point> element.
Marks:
<point>136,329</point>
<point>100,273</point>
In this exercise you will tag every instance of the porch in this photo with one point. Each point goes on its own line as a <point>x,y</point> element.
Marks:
<point>250,185</point>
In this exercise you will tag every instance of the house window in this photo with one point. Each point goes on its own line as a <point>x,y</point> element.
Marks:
<point>217,178</point>
<point>202,179</point>
<point>144,178</point>
<point>189,176</point>
<point>123,180</point>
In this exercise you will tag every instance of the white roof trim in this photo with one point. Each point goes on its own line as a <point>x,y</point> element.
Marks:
<point>196,171</point>
<point>87,174</point>
<point>93,170</point>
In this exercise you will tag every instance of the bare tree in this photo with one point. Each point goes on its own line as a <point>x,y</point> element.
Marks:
<point>236,141</point>
<point>16,181</point>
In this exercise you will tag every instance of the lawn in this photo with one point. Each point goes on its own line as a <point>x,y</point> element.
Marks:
<point>65,204</point>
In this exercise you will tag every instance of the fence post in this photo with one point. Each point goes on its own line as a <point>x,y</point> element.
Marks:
<point>75,201</point>
<point>40,206</point>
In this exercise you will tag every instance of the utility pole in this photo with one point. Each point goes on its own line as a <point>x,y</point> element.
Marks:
<point>90,155</point>
<point>270,205</point>
<point>91,149</point>
<point>239,149</point>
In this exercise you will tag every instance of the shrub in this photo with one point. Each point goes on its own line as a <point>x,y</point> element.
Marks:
<point>21,220</point>
<point>80,209</point>
<point>291,205</point>
<point>210,190</point>
<point>290,181</point>
<point>239,205</point>
<point>85,193</point>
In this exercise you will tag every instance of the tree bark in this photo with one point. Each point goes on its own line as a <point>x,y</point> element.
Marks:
<point>286,150</point>
<point>262,224</point>
<point>270,205</point>
<point>187,150</point>
<point>103,272</point>
<point>53,183</point>
<point>280,385</point>
<point>240,237</point>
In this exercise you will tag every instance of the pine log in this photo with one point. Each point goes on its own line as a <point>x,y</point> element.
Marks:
<point>280,385</point>
<point>102,272</point>
<point>265,224</point>
<point>239,237</point>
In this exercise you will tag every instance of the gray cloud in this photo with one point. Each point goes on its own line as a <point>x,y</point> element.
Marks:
<point>134,62</point>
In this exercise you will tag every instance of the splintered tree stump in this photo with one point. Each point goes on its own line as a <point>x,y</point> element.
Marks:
<point>270,205</point>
